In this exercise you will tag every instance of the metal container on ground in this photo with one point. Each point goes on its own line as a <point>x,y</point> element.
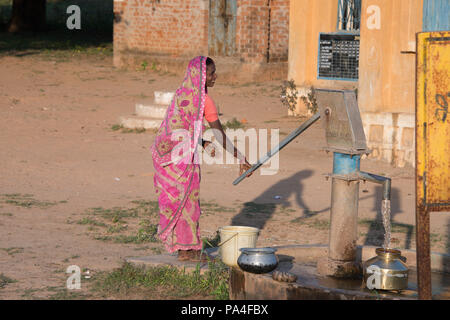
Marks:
<point>386,271</point>
<point>258,260</point>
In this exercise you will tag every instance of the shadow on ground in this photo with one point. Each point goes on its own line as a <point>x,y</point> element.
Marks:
<point>263,207</point>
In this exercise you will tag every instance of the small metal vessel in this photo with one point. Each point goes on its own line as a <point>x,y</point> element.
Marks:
<point>258,260</point>
<point>386,271</point>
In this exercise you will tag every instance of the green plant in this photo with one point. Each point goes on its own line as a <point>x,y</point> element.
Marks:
<point>144,65</point>
<point>233,124</point>
<point>211,242</point>
<point>289,94</point>
<point>310,101</point>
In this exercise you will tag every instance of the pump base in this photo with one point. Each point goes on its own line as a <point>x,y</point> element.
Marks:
<point>339,269</point>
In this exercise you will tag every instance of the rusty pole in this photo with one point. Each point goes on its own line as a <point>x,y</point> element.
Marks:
<point>423,252</point>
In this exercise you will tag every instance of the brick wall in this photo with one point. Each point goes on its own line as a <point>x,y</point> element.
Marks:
<point>279,30</point>
<point>252,30</point>
<point>179,29</point>
<point>168,27</point>
<point>262,30</point>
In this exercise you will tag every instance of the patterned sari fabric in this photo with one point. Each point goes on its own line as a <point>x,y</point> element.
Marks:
<point>174,152</point>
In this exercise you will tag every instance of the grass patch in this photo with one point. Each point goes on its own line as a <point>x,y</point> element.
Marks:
<point>146,207</point>
<point>92,222</point>
<point>233,124</point>
<point>65,294</point>
<point>313,223</point>
<point>29,293</point>
<point>146,234</point>
<point>115,214</point>
<point>264,208</point>
<point>137,225</point>
<point>12,251</point>
<point>116,228</point>
<point>212,207</point>
<point>395,227</point>
<point>6,214</point>
<point>25,201</point>
<point>165,282</point>
<point>4,280</point>
<point>254,210</point>
<point>157,250</point>
<point>117,127</point>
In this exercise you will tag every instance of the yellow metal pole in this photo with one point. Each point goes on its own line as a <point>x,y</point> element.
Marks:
<point>432,143</point>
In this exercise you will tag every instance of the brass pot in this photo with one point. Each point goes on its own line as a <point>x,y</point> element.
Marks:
<point>386,271</point>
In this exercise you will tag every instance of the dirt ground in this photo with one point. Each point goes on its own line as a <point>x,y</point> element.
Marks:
<point>60,158</point>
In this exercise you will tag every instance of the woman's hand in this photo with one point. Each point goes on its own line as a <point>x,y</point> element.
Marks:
<point>211,150</point>
<point>244,167</point>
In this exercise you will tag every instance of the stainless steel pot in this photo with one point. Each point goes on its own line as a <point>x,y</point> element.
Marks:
<point>258,260</point>
<point>386,271</point>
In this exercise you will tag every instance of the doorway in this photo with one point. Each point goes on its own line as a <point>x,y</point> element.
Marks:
<point>222,27</point>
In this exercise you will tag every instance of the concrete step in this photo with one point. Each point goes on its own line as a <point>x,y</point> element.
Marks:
<point>164,98</point>
<point>151,111</point>
<point>136,122</point>
<point>167,259</point>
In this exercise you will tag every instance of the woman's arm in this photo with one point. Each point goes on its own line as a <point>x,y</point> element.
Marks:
<point>228,146</point>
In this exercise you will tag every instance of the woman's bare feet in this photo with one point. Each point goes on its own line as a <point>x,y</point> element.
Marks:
<point>199,256</point>
<point>183,255</point>
<point>194,256</point>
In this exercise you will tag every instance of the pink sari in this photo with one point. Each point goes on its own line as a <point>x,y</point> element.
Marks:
<point>177,176</point>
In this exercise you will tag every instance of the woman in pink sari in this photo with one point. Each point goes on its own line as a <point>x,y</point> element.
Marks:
<point>175,158</point>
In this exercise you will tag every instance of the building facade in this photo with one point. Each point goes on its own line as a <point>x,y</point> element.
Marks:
<point>368,46</point>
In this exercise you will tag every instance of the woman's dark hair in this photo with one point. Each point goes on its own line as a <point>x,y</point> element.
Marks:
<point>209,61</point>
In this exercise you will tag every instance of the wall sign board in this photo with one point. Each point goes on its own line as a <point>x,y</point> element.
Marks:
<point>338,56</point>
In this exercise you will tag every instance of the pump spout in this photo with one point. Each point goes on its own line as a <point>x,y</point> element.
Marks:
<point>386,182</point>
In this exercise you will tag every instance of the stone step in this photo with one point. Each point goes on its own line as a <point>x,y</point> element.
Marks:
<point>151,111</point>
<point>167,259</point>
<point>163,97</point>
<point>137,122</point>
